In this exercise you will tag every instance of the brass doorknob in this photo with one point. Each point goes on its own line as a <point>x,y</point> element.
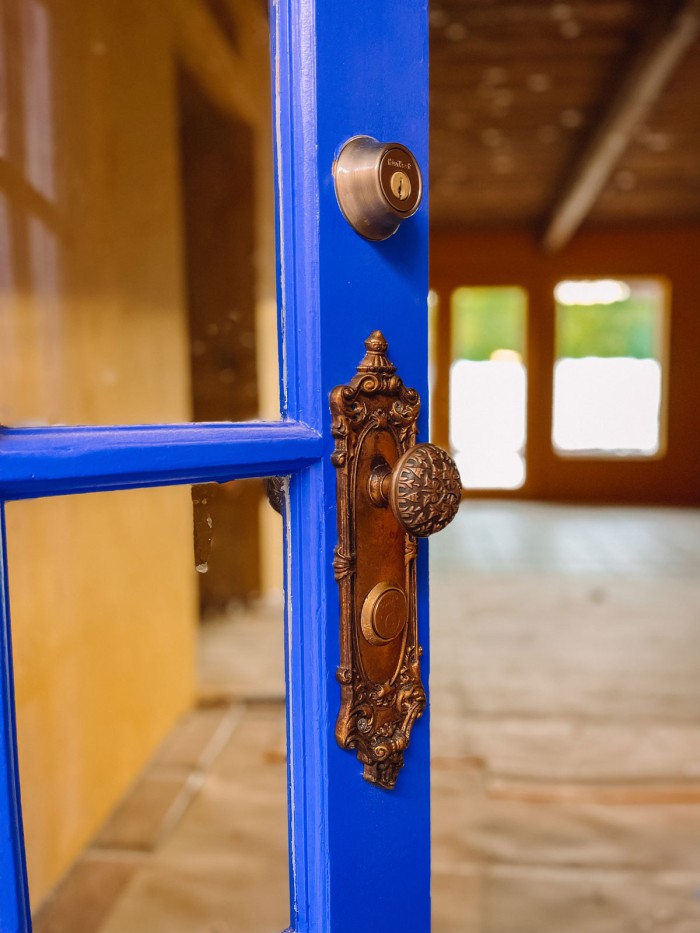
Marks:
<point>423,490</point>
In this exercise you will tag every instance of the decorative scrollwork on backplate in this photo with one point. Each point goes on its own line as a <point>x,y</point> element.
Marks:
<point>381,691</point>
<point>343,564</point>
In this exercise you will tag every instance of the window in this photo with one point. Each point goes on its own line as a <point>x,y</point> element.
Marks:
<point>608,379</point>
<point>488,386</point>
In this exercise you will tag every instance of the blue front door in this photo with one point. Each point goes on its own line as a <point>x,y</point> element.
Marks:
<point>360,855</point>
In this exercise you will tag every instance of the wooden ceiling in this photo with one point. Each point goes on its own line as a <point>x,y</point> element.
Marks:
<point>529,96</point>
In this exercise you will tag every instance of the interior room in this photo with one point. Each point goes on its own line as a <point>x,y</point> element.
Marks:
<point>138,285</point>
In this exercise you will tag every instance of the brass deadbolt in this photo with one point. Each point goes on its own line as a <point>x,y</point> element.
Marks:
<point>378,185</point>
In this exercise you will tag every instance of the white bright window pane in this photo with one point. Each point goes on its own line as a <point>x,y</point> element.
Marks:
<point>487,422</point>
<point>607,404</point>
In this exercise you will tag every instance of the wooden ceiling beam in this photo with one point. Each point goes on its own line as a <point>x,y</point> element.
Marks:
<point>229,78</point>
<point>659,56</point>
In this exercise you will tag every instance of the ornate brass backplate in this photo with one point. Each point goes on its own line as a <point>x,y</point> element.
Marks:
<point>374,424</point>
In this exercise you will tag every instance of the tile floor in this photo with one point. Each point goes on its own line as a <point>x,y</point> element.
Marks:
<point>565,696</point>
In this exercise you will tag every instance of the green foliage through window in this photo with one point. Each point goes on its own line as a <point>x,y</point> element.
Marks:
<point>628,328</point>
<point>488,318</point>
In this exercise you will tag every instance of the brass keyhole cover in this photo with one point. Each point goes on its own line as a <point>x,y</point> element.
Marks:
<point>384,613</point>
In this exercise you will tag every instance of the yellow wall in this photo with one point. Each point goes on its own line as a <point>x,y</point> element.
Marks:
<point>92,330</point>
<point>103,605</point>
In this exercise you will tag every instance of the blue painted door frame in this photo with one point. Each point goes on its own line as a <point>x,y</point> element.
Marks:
<point>360,855</point>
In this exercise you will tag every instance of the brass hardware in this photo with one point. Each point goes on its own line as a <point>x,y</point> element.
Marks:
<point>424,489</point>
<point>274,490</point>
<point>384,613</point>
<point>389,492</point>
<point>400,185</point>
<point>378,185</point>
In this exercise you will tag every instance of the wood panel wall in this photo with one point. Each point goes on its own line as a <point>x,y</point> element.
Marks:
<point>494,258</point>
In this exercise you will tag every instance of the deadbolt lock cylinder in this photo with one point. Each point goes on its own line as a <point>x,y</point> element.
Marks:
<point>378,186</point>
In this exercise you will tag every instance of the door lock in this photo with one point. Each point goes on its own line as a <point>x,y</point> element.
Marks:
<point>390,491</point>
<point>378,185</point>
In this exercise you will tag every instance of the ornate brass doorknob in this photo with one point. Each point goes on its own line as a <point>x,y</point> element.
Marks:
<point>423,490</point>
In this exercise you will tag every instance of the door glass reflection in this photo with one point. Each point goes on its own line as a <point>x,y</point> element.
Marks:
<point>149,680</point>
<point>137,267</point>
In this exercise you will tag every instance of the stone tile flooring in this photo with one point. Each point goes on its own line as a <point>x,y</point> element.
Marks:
<point>565,696</point>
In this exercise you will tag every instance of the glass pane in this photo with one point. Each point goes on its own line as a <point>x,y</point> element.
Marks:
<point>488,386</point>
<point>137,267</point>
<point>151,709</point>
<point>608,368</point>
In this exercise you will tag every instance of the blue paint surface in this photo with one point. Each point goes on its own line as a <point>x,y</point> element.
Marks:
<point>59,461</point>
<point>14,894</point>
<point>361,855</point>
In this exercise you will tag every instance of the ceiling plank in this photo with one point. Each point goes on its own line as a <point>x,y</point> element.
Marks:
<point>642,84</point>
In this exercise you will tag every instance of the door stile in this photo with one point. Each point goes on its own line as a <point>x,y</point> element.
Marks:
<point>292,33</point>
<point>306,543</point>
<point>309,705</point>
<point>360,854</point>
<point>14,890</point>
